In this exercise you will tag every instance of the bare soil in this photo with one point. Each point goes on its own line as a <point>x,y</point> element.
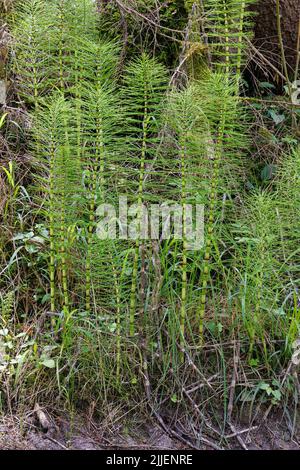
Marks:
<point>80,433</point>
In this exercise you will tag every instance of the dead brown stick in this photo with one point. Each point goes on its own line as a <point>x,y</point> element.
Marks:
<point>131,10</point>
<point>168,430</point>
<point>265,60</point>
<point>236,358</point>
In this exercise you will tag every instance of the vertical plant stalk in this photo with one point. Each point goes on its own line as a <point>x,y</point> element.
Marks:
<point>65,151</point>
<point>240,43</point>
<point>298,53</point>
<point>258,305</point>
<point>257,315</point>
<point>184,250</point>
<point>63,258</point>
<point>226,28</point>
<point>118,320</point>
<point>78,102</point>
<point>143,283</point>
<point>280,38</point>
<point>215,154</point>
<point>295,120</point>
<point>52,231</point>
<point>133,292</point>
<point>88,267</point>
<point>97,165</point>
<point>257,312</point>
<point>35,74</point>
<point>61,21</point>
<point>63,228</point>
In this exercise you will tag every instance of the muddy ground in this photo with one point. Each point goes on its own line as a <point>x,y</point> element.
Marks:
<point>80,433</point>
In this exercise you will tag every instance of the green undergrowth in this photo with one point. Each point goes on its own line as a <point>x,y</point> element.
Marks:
<point>141,322</point>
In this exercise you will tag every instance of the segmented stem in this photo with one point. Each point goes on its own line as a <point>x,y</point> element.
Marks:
<point>184,251</point>
<point>240,41</point>
<point>216,154</point>
<point>63,257</point>
<point>97,165</point>
<point>140,203</point>
<point>63,228</point>
<point>52,231</point>
<point>61,20</point>
<point>226,30</point>
<point>118,319</point>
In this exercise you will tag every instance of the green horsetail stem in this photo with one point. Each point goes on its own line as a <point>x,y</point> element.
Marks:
<point>52,231</point>
<point>257,314</point>
<point>63,227</point>
<point>88,257</point>
<point>118,319</point>
<point>78,104</point>
<point>65,150</point>
<point>257,311</point>
<point>60,47</point>
<point>133,289</point>
<point>96,165</point>
<point>226,24</point>
<point>240,41</point>
<point>226,30</point>
<point>216,156</point>
<point>184,250</point>
<point>133,292</point>
<point>63,255</point>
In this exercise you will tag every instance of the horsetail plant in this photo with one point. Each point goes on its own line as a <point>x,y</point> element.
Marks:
<point>256,241</point>
<point>228,27</point>
<point>31,63</point>
<point>100,119</point>
<point>53,134</point>
<point>224,142</point>
<point>288,184</point>
<point>184,117</point>
<point>145,84</point>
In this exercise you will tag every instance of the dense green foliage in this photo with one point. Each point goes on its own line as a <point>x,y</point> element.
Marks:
<point>104,318</point>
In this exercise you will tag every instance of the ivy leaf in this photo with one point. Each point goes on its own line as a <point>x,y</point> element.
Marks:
<point>46,298</point>
<point>266,387</point>
<point>266,85</point>
<point>50,363</point>
<point>277,118</point>
<point>268,172</point>
<point>276,395</point>
<point>4,332</point>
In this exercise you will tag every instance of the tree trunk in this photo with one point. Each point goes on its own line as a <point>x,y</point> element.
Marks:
<point>266,33</point>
